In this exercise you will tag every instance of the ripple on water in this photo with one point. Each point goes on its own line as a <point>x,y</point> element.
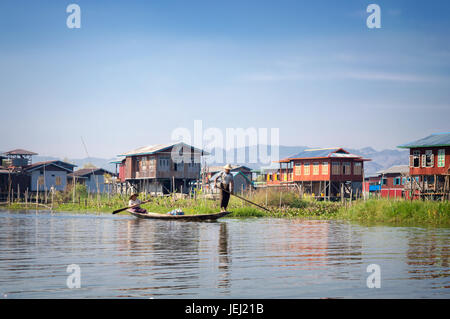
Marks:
<point>120,256</point>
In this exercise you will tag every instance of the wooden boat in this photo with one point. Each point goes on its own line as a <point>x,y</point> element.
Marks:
<point>204,217</point>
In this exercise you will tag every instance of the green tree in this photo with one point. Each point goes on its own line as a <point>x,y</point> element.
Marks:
<point>89,165</point>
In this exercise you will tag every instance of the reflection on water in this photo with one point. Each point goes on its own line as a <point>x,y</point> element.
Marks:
<point>121,256</point>
<point>428,255</point>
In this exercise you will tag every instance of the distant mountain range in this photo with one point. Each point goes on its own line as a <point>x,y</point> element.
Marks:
<point>81,162</point>
<point>380,159</point>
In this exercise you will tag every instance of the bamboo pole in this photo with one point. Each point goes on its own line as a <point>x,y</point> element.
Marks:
<point>37,192</point>
<point>280,198</point>
<point>242,192</point>
<point>267,187</point>
<point>9,187</point>
<point>363,183</point>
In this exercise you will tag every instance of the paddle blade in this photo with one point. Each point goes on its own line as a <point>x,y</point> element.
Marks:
<point>118,210</point>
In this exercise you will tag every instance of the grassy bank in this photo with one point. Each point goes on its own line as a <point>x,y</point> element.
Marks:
<point>284,204</point>
<point>281,204</point>
<point>398,211</point>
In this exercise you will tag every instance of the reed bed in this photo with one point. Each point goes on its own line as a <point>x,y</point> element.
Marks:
<point>398,212</point>
<point>281,203</point>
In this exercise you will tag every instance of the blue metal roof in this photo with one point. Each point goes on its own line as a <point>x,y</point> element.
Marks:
<point>315,153</point>
<point>439,139</point>
<point>323,152</point>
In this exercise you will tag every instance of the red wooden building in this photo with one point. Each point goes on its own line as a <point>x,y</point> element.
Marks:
<point>393,181</point>
<point>429,165</point>
<point>324,172</point>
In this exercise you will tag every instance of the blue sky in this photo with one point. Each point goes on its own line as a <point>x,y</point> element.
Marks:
<point>136,70</point>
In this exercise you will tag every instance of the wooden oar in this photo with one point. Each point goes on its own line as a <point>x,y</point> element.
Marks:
<point>125,208</point>
<point>245,199</point>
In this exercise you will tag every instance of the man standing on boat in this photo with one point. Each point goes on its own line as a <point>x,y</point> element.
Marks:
<point>134,200</point>
<point>225,182</point>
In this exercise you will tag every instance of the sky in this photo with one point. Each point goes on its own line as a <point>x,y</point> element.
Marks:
<point>137,70</point>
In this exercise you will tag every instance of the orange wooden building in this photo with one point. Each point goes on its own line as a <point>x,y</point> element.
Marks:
<point>324,172</point>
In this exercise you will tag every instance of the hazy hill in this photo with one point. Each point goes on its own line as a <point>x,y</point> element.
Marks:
<point>380,159</point>
<point>80,162</point>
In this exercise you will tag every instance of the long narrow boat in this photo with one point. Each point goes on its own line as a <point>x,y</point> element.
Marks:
<point>204,217</point>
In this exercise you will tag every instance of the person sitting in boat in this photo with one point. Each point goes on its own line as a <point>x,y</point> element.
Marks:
<point>225,182</point>
<point>134,200</point>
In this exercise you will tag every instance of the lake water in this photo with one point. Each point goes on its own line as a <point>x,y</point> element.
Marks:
<point>120,256</point>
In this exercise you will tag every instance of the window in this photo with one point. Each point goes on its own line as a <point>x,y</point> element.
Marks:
<point>428,159</point>
<point>164,163</point>
<point>404,180</point>
<point>384,181</point>
<point>346,168</point>
<point>58,180</point>
<point>179,167</point>
<point>143,162</point>
<point>397,181</point>
<point>193,166</point>
<point>325,168</point>
<point>357,168</point>
<point>138,164</point>
<point>335,168</point>
<point>441,158</point>
<point>306,169</point>
<point>315,168</point>
<point>298,169</point>
<point>414,160</point>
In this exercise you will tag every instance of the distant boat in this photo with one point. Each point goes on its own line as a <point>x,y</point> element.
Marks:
<point>203,217</point>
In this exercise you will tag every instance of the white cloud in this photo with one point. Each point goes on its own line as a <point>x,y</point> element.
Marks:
<point>387,76</point>
<point>340,74</point>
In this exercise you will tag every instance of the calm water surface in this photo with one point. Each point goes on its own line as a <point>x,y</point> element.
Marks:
<point>120,256</point>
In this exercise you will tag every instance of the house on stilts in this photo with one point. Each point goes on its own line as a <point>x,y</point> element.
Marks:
<point>160,169</point>
<point>429,166</point>
<point>328,173</point>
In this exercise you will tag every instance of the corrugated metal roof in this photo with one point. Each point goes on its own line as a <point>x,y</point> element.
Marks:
<point>438,139</point>
<point>397,169</point>
<point>220,168</point>
<point>151,149</point>
<point>116,161</point>
<point>216,175</point>
<point>61,164</point>
<point>323,152</point>
<point>20,152</point>
<point>88,171</point>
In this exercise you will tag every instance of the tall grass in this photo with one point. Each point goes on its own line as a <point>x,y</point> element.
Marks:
<point>398,211</point>
<point>281,203</point>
